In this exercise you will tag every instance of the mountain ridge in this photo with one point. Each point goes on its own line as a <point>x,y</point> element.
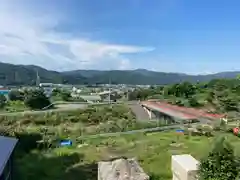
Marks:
<point>11,74</point>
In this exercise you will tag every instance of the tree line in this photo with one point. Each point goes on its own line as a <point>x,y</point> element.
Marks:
<point>34,99</point>
<point>223,94</point>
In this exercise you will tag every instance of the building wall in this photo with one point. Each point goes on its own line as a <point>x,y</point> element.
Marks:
<point>180,172</point>
<point>8,170</point>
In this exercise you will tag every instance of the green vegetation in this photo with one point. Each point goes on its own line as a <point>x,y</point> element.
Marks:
<point>152,150</point>
<point>220,164</point>
<point>36,100</point>
<point>15,106</point>
<point>26,75</point>
<point>40,135</point>
<point>16,95</point>
<point>65,96</point>
<point>3,101</point>
<point>218,95</point>
<point>21,101</point>
<point>39,156</point>
<point>75,123</point>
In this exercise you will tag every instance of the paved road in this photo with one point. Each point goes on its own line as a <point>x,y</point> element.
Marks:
<point>141,114</point>
<point>61,107</point>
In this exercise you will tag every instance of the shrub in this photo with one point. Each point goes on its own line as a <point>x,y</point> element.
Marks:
<point>37,100</point>
<point>220,163</point>
<point>3,101</point>
<point>16,96</point>
<point>65,96</point>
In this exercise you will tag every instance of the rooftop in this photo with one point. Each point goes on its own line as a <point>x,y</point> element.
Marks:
<point>169,111</point>
<point>91,97</point>
<point>7,145</point>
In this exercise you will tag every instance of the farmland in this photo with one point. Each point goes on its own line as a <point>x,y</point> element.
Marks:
<point>152,150</point>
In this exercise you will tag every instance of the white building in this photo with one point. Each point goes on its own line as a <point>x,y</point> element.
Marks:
<point>184,167</point>
<point>48,88</point>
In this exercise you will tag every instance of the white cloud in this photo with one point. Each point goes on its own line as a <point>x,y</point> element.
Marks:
<point>27,39</point>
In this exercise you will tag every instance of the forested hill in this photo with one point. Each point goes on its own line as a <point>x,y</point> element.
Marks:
<point>26,75</point>
<point>142,76</point>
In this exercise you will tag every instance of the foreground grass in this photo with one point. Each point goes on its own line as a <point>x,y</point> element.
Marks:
<point>153,152</point>
<point>14,106</point>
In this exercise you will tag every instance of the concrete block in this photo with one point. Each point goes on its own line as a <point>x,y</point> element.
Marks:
<point>184,167</point>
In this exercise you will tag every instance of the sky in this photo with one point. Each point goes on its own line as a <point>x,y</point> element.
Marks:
<point>186,36</point>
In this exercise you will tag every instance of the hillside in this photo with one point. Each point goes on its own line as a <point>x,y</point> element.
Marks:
<point>143,76</point>
<point>26,75</point>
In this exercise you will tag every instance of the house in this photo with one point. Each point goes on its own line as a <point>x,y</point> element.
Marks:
<point>90,98</point>
<point>121,169</point>
<point>7,146</point>
<point>5,92</point>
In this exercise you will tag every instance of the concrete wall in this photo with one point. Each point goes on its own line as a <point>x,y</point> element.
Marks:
<point>184,167</point>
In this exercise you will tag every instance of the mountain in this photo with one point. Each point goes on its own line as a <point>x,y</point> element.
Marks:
<point>143,76</point>
<point>26,75</point>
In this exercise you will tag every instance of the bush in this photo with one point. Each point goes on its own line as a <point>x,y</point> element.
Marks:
<point>3,101</point>
<point>220,164</point>
<point>193,102</point>
<point>65,96</point>
<point>16,96</point>
<point>37,100</point>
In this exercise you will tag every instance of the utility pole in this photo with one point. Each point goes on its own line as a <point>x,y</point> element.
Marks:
<point>37,79</point>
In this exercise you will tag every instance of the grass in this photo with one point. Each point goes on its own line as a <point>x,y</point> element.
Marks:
<point>14,106</point>
<point>152,150</point>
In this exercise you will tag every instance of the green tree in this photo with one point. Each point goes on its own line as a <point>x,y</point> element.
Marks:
<point>238,77</point>
<point>210,96</point>
<point>65,96</point>
<point>56,92</point>
<point>3,101</point>
<point>36,99</point>
<point>193,102</point>
<point>16,95</point>
<point>220,164</point>
<point>229,103</point>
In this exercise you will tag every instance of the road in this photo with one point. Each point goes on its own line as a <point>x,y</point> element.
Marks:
<point>141,114</point>
<point>60,106</point>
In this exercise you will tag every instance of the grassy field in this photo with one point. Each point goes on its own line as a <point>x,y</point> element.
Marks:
<point>152,150</point>
<point>14,106</point>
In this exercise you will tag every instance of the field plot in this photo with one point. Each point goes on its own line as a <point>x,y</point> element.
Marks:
<point>153,151</point>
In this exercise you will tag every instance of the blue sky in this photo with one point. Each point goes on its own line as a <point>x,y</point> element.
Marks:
<point>186,36</point>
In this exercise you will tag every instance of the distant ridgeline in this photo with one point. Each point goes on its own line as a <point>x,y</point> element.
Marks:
<point>27,75</point>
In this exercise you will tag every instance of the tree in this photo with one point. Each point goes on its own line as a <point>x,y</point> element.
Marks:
<point>210,96</point>
<point>56,92</point>
<point>65,96</point>
<point>193,102</point>
<point>229,102</point>
<point>16,96</point>
<point>3,101</point>
<point>36,99</point>
<point>220,164</point>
